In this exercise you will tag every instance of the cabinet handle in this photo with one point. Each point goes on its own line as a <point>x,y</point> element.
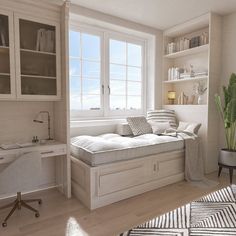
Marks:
<point>49,152</point>
<point>1,158</point>
<point>155,167</point>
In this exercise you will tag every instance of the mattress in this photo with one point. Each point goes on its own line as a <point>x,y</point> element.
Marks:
<point>109,148</point>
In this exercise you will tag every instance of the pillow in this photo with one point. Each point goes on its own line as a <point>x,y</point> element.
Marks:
<point>159,127</point>
<point>123,129</point>
<point>189,127</point>
<point>163,116</point>
<point>139,125</point>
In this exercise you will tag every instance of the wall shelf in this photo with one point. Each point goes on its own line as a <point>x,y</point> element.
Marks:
<point>185,80</point>
<point>191,51</point>
<point>39,76</point>
<point>37,52</point>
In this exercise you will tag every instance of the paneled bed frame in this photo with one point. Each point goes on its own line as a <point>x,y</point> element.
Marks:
<point>97,186</point>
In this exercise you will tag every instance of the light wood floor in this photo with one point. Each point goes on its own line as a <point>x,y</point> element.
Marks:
<point>60,216</point>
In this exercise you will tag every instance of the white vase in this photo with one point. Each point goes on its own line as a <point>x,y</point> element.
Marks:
<point>200,100</point>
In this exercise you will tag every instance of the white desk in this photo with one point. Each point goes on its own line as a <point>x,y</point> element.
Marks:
<point>46,150</point>
<point>52,149</point>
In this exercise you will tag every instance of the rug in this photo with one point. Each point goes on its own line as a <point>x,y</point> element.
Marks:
<point>214,214</point>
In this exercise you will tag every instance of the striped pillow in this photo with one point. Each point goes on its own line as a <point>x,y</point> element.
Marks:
<point>163,116</point>
<point>139,125</point>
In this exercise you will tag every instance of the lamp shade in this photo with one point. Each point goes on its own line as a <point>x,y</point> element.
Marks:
<point>171,95</point>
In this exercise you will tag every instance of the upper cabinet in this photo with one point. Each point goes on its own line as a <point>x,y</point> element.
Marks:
<point>7,65</point>
<point>32,71</point>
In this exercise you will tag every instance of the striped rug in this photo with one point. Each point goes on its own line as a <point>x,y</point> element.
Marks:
<point>214,214</point>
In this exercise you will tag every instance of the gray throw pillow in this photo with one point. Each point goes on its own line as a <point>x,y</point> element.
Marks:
<point>139,125</point>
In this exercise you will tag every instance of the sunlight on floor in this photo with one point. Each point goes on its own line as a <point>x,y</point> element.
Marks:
<point>74,229</point>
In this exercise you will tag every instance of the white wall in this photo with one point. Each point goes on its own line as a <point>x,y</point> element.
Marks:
<point>228,57</point>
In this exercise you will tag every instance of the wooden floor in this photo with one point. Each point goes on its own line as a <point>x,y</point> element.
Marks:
<point>60,216</point>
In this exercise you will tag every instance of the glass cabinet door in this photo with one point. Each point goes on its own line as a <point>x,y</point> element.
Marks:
<point>7,78</point>
<point>38,67</point>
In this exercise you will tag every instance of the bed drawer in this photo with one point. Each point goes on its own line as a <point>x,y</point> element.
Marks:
<point>164,167</point>
<point>121,177</point>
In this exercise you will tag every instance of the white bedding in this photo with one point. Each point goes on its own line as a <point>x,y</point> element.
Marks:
<point>108,148</point>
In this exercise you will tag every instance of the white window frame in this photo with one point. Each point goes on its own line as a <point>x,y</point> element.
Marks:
<point>105,35</point>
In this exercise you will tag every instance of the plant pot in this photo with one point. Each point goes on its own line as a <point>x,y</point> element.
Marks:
<point>227,157</point>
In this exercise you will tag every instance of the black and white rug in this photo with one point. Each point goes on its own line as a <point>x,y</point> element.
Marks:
<point>214,214</point>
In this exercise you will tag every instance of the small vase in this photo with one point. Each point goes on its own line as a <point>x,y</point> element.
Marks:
<point>200,100</point>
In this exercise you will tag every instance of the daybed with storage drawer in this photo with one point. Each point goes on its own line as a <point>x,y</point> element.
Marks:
<point>109,168</point>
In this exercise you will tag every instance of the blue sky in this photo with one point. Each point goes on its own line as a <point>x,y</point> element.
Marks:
<point>84,50</point>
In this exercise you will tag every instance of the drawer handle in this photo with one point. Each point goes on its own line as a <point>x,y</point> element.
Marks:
<point>49,152</point>
<point>1,158</point>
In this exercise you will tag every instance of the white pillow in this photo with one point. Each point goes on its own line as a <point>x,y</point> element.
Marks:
<point>123,129</point>
<point>139,125</point>
<point>159,127</point>
<point>189,127</point>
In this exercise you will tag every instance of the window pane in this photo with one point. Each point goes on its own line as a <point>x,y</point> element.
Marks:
<point>74,44</point>
<point>134,102</point>
<point>75,101</point>
<point>75,67</point>
<point>117,52</point>
<point>134,74</point>
<point>134,88</point>
<point>117,103</point>
<point>91,102</point>
<point>117,72</point>
<point>91,69</point>
<point>91,86</point>
<point>118,87</point>
<point>75,84</point>
<point>90,47</point>
<point>134,55</point>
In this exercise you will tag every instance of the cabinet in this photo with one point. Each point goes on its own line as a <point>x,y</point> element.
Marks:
<point>31,55</point>
<point>7,65</point>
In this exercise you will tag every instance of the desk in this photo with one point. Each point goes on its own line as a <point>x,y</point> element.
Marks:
<point>52,149</point>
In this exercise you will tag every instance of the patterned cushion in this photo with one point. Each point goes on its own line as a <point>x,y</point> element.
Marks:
<point>139,125</point>
<point>163,116</point>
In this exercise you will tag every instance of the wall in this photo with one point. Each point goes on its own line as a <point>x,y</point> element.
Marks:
<point>228,58</point>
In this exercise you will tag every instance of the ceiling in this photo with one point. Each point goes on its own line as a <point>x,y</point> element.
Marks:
<point>160,14</point>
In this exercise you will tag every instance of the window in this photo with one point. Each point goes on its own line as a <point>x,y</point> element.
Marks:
<point>106,74</point>
<point>85,72</point>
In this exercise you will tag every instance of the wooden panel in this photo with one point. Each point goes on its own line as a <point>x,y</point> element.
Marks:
<point>122,177</point>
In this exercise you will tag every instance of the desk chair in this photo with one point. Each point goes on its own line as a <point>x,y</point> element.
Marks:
<point>26,164</point>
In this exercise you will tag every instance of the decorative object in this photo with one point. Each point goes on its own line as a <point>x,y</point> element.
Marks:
<point>192,99</point>
<point>228,115</point>
<point>39,119</point>
<point>200,88</point>
<point>171,97</point>
<point>182,99</point>
<point>213,214</point>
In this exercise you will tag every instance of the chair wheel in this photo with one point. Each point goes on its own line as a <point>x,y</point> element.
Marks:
<point>40,202</point>
<point>37,214</point>
<point>4,224</point>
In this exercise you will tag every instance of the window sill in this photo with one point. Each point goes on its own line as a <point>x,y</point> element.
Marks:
<point>83,122</point>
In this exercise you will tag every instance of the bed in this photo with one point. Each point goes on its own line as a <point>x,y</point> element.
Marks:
<point>108,168</point>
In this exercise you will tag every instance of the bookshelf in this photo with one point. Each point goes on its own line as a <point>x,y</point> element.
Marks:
<point>202,58</point>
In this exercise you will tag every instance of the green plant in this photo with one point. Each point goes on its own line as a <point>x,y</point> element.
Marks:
<point>228,112</point>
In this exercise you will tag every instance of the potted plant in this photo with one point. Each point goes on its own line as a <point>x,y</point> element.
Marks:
<point>228,115</point>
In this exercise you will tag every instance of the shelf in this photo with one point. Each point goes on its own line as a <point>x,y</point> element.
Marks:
<point>4,49</point>
<point>187,52</point>
<point>38,76</point>
<point>38,52</point>
<point>4,74</point>
<point>185,80</point>
<point>185,105</point>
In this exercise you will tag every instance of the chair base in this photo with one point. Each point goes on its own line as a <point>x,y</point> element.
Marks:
<point>17,204</point>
